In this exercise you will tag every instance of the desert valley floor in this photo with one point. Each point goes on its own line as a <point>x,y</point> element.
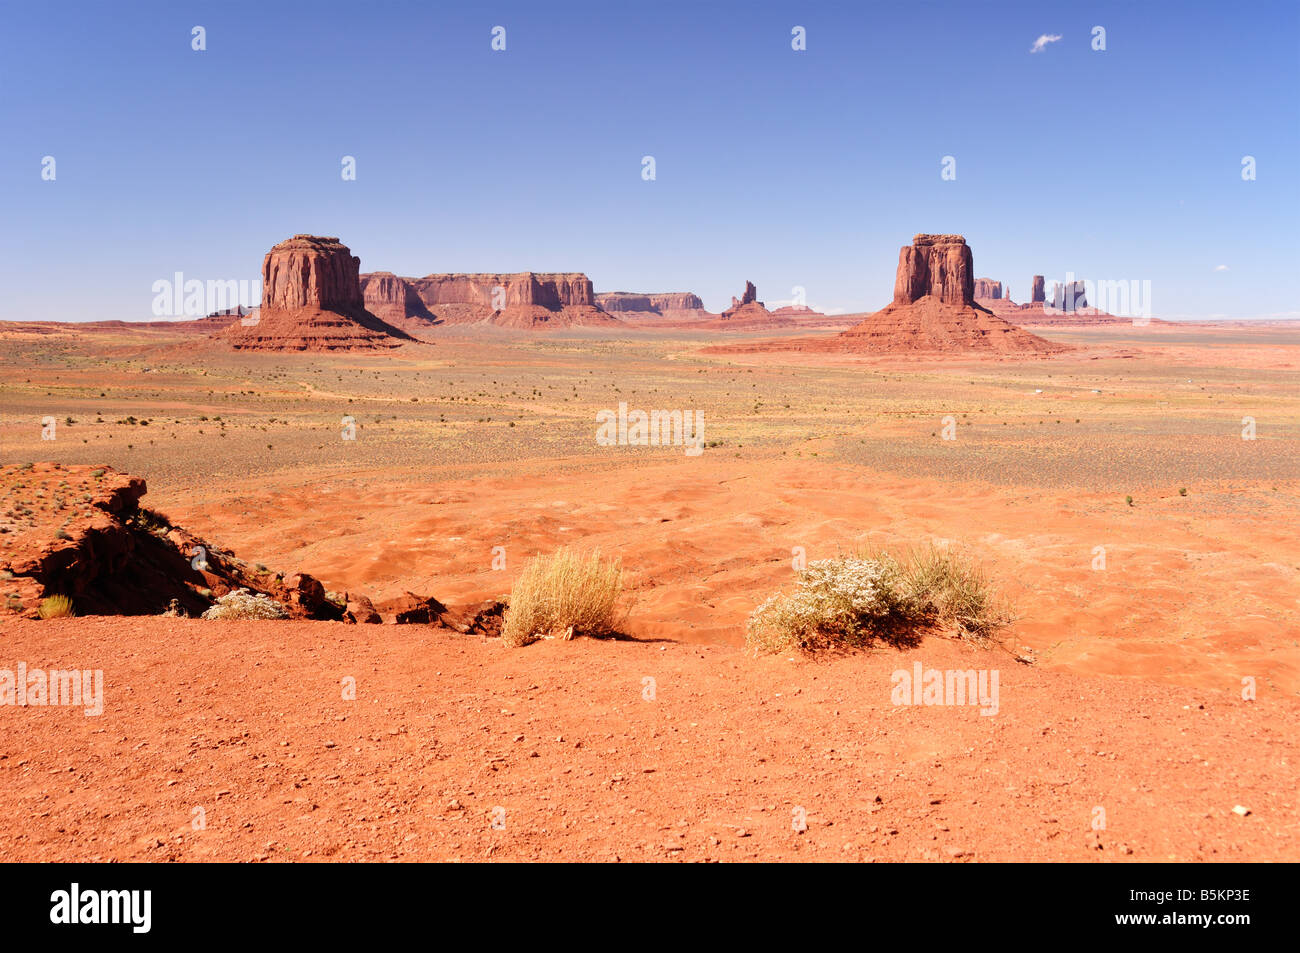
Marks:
<point>1121,687</point>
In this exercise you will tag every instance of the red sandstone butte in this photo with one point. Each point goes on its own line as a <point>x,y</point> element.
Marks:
<point>933,312</point>
<point>934,308</point>
<point>312,301</point>
<point>988,288</point>
<point>747,313</point>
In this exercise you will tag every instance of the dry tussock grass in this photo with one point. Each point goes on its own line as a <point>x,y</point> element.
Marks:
<point>563,595</point>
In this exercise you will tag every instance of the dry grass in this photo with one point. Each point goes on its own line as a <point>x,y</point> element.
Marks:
<point>850,601</point>
<point>563,595</point>
<point>56,607</point>
<point>953,590</point>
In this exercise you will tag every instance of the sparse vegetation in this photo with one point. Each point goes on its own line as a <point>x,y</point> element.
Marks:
<point>850,601</point>
<point>56,607</point>
<point>563,595</point>
<point>242,604</point>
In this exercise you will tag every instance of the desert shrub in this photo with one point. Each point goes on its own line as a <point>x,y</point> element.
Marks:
<point>849,601</point>
<point>843,602</point>
<point>952,590</point>
<point>242,604</point>
<point>565,594</point>
<point>56,607</point>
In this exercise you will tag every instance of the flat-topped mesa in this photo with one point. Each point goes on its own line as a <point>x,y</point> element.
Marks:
<point>629,301</point>
<point>553,290</point>
<point>939,266</point>
<point>988,288</point>
<point>1036,290</point>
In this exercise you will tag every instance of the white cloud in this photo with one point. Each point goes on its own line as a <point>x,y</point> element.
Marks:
<point>1221,268</point>
<point>1042,42</point>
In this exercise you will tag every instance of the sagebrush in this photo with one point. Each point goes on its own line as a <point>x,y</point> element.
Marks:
<point>242,604</point>
<point>850,601</point>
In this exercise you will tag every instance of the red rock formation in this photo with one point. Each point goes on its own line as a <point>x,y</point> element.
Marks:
<point>934,308</point>
<point>746,313</point>
<point>934,326</point>
<point>312,301</point>
<point>933,312</point>
<point>396,301</point>
<point>1069,296</point>
<point>938,266</point>
<point>1036,293</point>
<point>673,301</point>
<point>117,558</point>
<point>988,288</point>
<point>548,290</point>
<point>522,300</point>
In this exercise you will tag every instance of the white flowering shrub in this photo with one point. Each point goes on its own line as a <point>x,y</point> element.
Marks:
<point>849,601</point>
<point>242,604</point>
<point>846,601</point>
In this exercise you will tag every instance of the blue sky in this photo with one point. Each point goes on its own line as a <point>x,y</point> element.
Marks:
<point>786,168</point>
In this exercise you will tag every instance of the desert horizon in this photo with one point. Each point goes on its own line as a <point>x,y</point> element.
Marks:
<point>853,481</point>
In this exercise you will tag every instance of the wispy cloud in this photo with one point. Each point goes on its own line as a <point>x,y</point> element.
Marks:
<point>1221,268</point>
<point>1041,43</point>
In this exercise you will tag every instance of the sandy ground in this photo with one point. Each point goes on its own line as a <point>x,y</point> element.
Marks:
<point>1144,620</point>
<point>561,747</point>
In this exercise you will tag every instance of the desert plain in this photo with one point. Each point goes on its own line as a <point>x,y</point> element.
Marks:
<point>1135,498</point>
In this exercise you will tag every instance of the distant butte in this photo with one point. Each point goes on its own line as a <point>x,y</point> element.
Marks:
<point>933,312</point>
<point>311,301</point>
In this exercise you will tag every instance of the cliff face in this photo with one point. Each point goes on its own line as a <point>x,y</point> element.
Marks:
<point>394,300</point>
<point>936,265</point>
<point>548,290</point>
<point>623,301</point>
<point>307,271</point>
<point>988,288</point>
<point>526,299</point>
<point>311,301</point>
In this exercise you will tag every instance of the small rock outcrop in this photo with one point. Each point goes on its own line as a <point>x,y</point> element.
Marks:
<point>988,289</point>
<point>116,557</point>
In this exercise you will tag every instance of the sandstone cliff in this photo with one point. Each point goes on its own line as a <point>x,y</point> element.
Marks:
<point>312,301</point>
